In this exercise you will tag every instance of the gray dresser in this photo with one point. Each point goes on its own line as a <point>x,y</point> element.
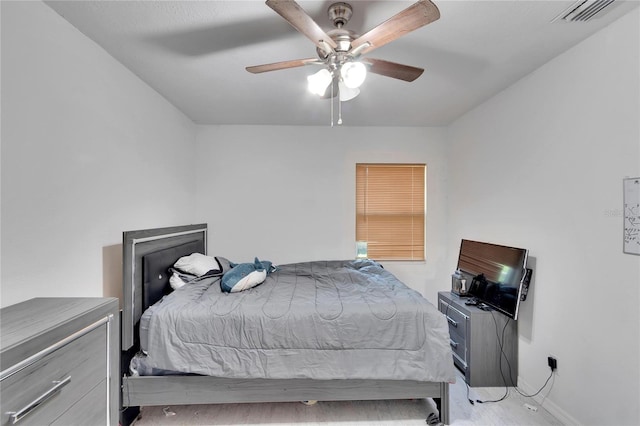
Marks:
<point>484,344</point>
<point>59,362</point>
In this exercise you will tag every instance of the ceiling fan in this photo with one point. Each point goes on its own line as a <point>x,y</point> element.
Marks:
<point>340,51</point>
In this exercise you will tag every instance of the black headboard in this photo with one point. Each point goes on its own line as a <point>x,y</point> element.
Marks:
<point>156,250</point>
<point>155,278</point>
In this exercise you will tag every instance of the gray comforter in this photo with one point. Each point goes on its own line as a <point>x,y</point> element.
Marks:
<point>319,320</point>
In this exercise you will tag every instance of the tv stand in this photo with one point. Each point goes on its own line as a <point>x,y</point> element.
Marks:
<point>475,344</point>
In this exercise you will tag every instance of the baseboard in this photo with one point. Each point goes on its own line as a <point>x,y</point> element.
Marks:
<point>557,412</point>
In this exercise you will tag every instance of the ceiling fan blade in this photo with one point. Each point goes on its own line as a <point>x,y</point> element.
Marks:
<point>418,15</point>
<point>393,70</point>
<point>298,18</point>
<point>256,69</point>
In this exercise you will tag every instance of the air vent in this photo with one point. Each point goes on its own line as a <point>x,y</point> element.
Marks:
<point>583,10</point>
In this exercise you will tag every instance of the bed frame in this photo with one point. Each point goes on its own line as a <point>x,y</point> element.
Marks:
<point>142,288</point>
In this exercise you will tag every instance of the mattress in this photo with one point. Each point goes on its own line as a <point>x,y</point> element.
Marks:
<point>320,320</point>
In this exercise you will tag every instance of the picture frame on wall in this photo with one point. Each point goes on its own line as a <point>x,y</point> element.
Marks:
<point>631,215</point>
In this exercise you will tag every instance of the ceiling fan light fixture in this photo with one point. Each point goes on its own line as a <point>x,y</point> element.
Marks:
<point>339,49</point>
<point>318,82</point>
<point>346,93</point>
<point>353,74</point>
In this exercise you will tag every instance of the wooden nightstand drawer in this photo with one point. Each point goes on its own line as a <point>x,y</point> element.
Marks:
<point>47,386</point>
<point>459,347</point>
<point>456,319</point>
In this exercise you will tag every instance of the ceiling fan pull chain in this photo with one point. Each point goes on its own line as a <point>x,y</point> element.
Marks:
<point>339,108</point>
<point>331,99</point>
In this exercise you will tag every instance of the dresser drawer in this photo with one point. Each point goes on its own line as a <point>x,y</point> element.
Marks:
<point>84,412</point>
<point>456,319</point>
<point>459,347</point>
<point>58,380</point>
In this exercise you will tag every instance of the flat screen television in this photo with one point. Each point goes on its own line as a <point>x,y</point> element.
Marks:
<point>503,269</point>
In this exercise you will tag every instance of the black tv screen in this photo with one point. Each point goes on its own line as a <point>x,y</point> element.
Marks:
<point>502,268</point>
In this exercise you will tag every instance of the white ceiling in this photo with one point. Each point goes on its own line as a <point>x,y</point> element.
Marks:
<point>194,53</point>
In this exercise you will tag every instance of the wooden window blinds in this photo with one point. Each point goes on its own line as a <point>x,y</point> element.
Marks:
<point>390,210</point>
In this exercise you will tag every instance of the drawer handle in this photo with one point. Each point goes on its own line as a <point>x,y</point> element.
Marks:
<point>452,321</point>
<point>20,414</point>
<point>453,344</point>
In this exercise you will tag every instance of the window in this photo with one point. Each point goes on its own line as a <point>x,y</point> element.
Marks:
<point>390,210</point>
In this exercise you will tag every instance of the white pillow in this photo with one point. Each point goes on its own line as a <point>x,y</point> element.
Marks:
<point>196,264</point>
<point>175,282</point>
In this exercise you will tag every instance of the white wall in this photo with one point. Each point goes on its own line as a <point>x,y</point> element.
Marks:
<point>88,151</point>
<point>540,166</point>
<point>287,194</point>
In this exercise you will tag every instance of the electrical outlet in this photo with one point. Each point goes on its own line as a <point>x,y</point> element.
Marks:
<point>552,362</point>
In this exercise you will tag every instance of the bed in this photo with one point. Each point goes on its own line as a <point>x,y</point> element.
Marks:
<point>335,348</point>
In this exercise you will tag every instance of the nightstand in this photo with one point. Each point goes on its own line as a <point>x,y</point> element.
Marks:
<point>484,343</point>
